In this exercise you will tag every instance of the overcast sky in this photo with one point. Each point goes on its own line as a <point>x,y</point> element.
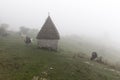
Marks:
<point>82,17</point>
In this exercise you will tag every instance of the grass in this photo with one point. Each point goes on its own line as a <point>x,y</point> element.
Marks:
<point>21,62</point>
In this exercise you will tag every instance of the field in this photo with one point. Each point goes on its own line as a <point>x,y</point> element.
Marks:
<point>21,62</point>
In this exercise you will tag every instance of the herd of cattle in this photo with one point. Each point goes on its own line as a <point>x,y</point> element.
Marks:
<point>94,55</point>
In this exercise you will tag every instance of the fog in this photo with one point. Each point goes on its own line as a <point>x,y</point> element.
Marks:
<point>96,19</point>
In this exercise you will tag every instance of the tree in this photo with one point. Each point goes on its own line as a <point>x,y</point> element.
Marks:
<point>24,30</point>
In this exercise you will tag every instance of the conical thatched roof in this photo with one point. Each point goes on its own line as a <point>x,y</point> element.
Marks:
<point>48,30</point>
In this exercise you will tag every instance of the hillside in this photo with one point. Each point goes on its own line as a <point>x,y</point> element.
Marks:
<point>86,45</point>
<point>21,62</point>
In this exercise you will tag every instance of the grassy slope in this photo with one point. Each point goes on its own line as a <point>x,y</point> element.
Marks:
<point>21,62</point>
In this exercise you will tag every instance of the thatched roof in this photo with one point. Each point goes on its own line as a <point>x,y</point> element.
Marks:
<point>48,30</point>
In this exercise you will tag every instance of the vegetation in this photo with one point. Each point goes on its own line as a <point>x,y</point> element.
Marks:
<point>27,31</point>
<point>22,62</point>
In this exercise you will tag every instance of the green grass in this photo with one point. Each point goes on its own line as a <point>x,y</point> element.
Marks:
<point>21,62</point>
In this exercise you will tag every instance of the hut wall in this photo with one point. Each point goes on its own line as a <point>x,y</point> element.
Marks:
<point>50,44</point>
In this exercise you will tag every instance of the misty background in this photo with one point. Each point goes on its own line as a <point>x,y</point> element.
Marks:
<point>96,22</point>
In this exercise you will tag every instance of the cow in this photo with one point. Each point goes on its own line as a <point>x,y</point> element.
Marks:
<point>27,40</point>
<point>94,56</point>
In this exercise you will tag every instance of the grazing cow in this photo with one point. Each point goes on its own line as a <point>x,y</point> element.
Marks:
<point>94,56</point>
<point>27,40</point>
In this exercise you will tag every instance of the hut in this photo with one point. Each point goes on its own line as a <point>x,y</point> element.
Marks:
<point>48,36</point>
